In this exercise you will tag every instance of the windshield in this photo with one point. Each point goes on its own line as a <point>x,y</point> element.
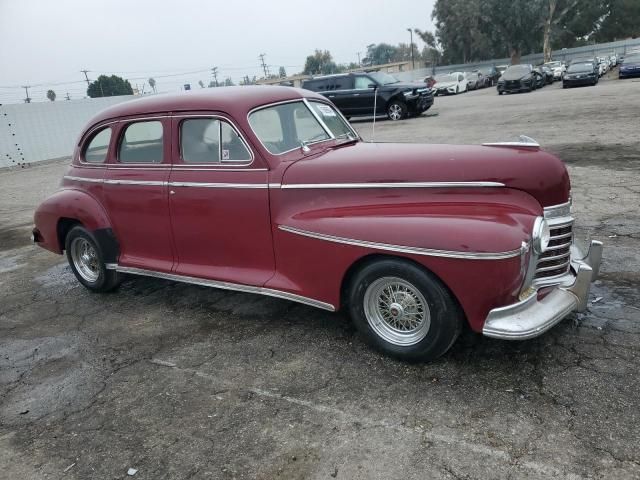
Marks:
<point>285,127</point>
<point>632,59</point>
<point>446,78</point>
<point>518,69</point>
<point>383,78</point>
<point>553,64</point>
<point>580,67</point>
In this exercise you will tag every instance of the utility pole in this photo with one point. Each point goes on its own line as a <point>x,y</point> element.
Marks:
<point>214,74</point>
<point>264,65</point>
<point>68,97</point>
<point>26,89</point>
<point>413,63</point>
<point>359,62</point>
<point>86,76</point>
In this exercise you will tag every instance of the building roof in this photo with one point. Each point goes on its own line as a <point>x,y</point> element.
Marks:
<point>236,101</point>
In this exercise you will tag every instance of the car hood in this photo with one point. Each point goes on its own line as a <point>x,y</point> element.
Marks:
<point>407,85</point>
<point>630,64</point>
<point>534,171</point>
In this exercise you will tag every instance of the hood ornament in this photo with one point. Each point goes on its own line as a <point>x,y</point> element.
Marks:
<point>523,142</point>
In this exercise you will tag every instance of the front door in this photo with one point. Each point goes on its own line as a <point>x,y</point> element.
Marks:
<point>364,96</point>
<point>219,202</point>
<point>135,187</point>
<point>342,94</point>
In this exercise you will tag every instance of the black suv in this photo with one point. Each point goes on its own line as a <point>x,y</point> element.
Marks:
<point>354,93</point>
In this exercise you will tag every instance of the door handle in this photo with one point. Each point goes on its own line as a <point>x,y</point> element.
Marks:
<point>172,192</point>
<point>331,96</point>
<point>356,94</point>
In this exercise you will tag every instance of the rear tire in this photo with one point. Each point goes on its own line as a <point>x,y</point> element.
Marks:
<point>404,311</point>
<point>86,260</point>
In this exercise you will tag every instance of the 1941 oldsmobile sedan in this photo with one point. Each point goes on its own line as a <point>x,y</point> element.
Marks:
<point>269,190</point>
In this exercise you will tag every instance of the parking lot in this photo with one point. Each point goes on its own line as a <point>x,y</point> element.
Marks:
<point>181,381</point>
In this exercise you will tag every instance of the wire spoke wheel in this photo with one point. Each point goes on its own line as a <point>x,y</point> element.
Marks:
<point>85,259</point>
<point>397,311</point>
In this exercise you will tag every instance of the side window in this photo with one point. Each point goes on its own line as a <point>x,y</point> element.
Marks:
<point>209,140</point>
<point>142,143</point>
<point>233,148</point>
<point>96,150</point>
<point>343,83</point>
<point>362,83</point>
<point>200,140</point>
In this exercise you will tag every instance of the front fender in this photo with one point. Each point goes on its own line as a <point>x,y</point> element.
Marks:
<point>471,239</point>
<point>71,204</point>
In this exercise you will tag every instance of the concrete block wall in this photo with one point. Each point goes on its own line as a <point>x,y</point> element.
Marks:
<point>34,132</point>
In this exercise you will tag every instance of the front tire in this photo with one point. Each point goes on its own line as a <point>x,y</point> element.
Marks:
<point>404,310</point>
<point>86,260</point>
<point>396,110</point>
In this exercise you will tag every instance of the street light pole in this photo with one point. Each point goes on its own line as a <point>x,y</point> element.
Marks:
<point>413,63</point>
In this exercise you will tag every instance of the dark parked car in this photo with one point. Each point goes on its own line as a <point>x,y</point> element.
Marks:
<point>354,94</point>
<point>518,78</point>
<point>591,60</point>
<point>539,78</point>
<point>491,75</point>
<point>579,74</point>
<point>548,74</point>
<point>630,66</point>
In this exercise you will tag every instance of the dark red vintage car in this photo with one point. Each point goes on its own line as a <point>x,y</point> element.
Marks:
<point>269,190</point>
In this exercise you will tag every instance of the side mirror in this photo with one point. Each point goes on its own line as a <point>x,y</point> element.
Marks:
<point>373,85</point>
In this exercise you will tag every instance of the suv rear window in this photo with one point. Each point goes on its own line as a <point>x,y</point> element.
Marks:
<point>319,85</point>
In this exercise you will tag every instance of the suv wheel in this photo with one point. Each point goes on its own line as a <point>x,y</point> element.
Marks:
<point>396,110</point>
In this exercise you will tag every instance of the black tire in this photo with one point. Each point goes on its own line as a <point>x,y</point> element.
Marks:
<point>105,280</point>
<point>457,90</point>
<point>445,316</point>
<point>396,110</point>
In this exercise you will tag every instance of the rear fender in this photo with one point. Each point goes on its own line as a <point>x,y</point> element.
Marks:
<point>71,205</point>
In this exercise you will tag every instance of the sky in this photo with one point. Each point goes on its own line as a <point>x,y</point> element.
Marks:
<point>46,43</point>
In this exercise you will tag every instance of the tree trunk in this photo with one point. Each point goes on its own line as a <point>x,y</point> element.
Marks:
<point>547,31</point>
<point>515,55</point>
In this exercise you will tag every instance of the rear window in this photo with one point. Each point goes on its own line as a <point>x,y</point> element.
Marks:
<point>142,143</point>
<point>96,150</point>
<point>316,85</point>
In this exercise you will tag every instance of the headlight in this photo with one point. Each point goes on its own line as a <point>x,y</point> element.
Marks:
<point>541,235</point>
<point>408,93</point>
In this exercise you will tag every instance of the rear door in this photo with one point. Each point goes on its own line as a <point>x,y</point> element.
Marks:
<point>135,189</point>
<point>342,94</point>
<point>363,97</point>
<point>219,202</point>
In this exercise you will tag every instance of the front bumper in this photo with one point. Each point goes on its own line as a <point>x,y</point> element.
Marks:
<point>532,317</point>
<point>575,82</point>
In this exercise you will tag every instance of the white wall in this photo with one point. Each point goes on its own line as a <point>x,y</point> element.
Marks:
<point>33,132</point>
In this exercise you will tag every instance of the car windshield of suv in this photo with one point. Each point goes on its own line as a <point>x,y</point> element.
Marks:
<point>446,78</point>
<point>580,67</point>
<point>383,78</point>
<point>285,127</point>
<point>553,64</point>
<point>631,59</point>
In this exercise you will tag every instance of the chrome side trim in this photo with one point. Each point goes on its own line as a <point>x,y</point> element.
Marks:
<point>83,179</point>
<point>228,286</point>
<point>217,168</point>
<point>218,185</point>
<point>395,185</point>
<point>147,183</point>
<point>405,249</point>
<point>110,266</point>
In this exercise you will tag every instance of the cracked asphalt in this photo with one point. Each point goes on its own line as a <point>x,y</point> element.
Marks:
<point>180,381</point>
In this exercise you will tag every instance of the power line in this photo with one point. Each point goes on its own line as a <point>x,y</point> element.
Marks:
<point>265,69</point>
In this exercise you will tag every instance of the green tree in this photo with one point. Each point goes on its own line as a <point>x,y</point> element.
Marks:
<point>321,62</point>
<point>51,95</point>
<point>152,84</point>
<point>228,82</point>
<point>201,83</point>
<point>622,20</point>
<point>432,51</point>
<point>112,86</point>
<point>282,72</point>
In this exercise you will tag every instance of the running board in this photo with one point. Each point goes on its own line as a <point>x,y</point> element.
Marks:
<point>238,287</point>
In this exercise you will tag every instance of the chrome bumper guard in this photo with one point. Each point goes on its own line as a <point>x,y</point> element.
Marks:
<point>532,317</point>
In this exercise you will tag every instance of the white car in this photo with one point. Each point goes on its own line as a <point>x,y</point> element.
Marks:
<point>614,59</point>
<point>558,69</point>
<point>451,83</point>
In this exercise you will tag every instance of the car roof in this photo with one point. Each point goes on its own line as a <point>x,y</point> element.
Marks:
<point>237,101</point>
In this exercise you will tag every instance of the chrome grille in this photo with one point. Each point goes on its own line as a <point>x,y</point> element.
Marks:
<point>556,259</point>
